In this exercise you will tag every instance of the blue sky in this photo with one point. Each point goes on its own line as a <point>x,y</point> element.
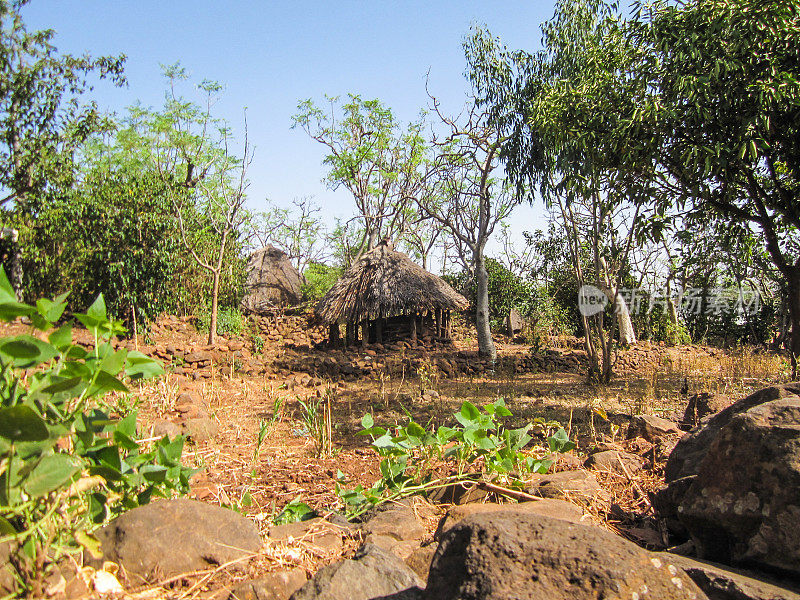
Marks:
<point>269,55</point>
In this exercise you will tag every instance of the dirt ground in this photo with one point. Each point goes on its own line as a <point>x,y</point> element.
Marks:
<point>245,382</point>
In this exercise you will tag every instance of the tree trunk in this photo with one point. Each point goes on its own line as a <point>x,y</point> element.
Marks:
<point>485,344</point>
<point>627,336</point>
<point>212,329</point>
<point>794,315</point>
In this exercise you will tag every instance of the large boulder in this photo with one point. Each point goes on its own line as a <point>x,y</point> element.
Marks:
<point>743,507</point>
<point>169,537</point>
<point>690,451</point>
<point>546,507</point>
<point>721,583</point>
<point>272,282</point>
<point>371,573</point>
<point>496,556</point>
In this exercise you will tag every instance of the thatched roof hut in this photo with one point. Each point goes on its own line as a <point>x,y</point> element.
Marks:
<point>383,284</point>
<point>272,282</point>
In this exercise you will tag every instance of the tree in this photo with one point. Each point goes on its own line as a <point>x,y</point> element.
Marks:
<point>465,193</point>
<point>42,121</point>
<point>565,114</point>
<point>727,80</point>
<point>189,149</point>
<point>298,231</point>
<point>371,157</point>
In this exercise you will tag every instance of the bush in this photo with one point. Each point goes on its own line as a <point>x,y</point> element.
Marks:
<point>70,462</point>
<point>319,279</point>
<point>230,321</point>
<point>116,234</point>
<point>506,290</point>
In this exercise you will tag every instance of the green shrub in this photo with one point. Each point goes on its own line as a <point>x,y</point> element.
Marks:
<point>70,463</point>
<point>319,279</point>
<point>506,291</point>
<point>230,321</point>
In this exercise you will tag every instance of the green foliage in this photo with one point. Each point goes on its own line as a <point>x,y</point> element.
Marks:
<point>42,119</point>
<point>316,415</point>
<point>319,279</point>
<point>477,447</point>
<point>230,321</point>
<point>293,512</point>
<point>113,234</point>
<point>506,290</point>
<point>69,464</point>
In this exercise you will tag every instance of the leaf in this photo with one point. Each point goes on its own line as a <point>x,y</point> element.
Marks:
<point>61,338</point>
<point>90,542</point>
<point>51,310</point>
<point>22,424</point>
<point>62,385</point>
<point>7,293</point>
<point>51,473</point>
<point>11,310</point>
<point>142,366</point>
<point>105,382</point>
<point>367,421</point>
<point>469,411</point>
<point>98,309</point>
<point>6,528</point>
<point>27,351</point>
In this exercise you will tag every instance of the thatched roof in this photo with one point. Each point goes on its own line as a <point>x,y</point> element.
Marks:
<point>272,282</point>
<point>385,283</point>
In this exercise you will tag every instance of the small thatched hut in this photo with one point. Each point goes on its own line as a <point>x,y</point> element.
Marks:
<point>388,296</point>
<point>272,282</point>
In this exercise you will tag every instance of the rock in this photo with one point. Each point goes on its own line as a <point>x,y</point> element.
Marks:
<point>397,530</point>
<point>458,492</point>
<point>169,537</point>
<point>723,583</point>
<point>652,428</point>
<point>272,282</point>
<point>578,486</point>
<point>197,357</point>
<point>514,323</point>
<point>526,556</point>
<point>611,460</point>
<point>556,509</point>
<point>692,447</point>
<point>666,500</point>
<point>162,427</point>
<point>420,560</point>
<point>371,573</point>
<point>744,504</point>
<point>701,406</point>
<point>317,532</point>
<point>200,429</point>
<point>278,585</point>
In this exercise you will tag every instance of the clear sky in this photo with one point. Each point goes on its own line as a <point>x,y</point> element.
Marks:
<point>269,55</point>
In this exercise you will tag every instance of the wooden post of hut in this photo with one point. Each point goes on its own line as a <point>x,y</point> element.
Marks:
<point>348,334</point>
<point>414,327</point>
<point>379,330</point>
<point>439,322</point>
<point>364,333</point>
<point>333,335</point>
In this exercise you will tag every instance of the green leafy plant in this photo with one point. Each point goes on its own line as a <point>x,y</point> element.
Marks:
<point>293,512</point>
<point>478,448</point>
<point>69,461</point>
<point>229,321</point>
<point>317,418</point>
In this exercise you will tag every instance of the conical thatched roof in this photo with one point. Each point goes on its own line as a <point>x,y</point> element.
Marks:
<point>272,282</point>
<point>385,283</point>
